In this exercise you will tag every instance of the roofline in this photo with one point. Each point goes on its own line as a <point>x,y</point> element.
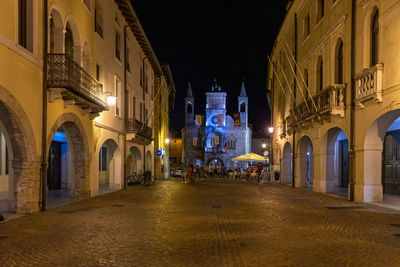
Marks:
<point>126,8</point>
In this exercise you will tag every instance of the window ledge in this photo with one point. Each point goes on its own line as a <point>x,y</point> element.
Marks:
<point>335,4</point>
<point>306,39</point>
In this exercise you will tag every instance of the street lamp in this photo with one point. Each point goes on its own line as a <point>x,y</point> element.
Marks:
<point>167,141</point>
<point>111,100</point>
<point>270,130</point>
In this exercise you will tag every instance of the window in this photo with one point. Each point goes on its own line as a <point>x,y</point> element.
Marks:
<point>103,159</point>
<point>117,46</point>
<point>141,77</point>
<point>375,38</point>
<point>141,111</point>
<point>189,108</point>
<point>98,72</point>
<point>320,9</point>
<point>306,25</point>
<point>306,94</point>
<point>118,96</point>
<point>128,64</point>
<point>69,41</point>
<point>320,74</point>
<point>242,107</point>
<point>98,20</point>
<point>146,80</point>
<point>25,24</point>
<point>339,63</point>
<point>134,108</point>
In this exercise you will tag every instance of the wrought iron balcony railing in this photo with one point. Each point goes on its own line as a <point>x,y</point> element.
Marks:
<point>329,101</point>
<point>369,84</point>
<point>137,127</point>
<point>64,72</point>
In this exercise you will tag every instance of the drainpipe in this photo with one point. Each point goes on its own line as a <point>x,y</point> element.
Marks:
<point>43,176</point>
<point>352,96</point>
<point>126,103</point>
<point>294,131</point>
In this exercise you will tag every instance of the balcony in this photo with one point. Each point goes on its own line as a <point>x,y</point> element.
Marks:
<point>327,102</point>
<point>138,132</point>
<point>67,80</point>
<point>369,85</point>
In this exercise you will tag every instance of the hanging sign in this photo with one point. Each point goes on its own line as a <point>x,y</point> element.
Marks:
<point>194,141</point>
<point>216,140</point>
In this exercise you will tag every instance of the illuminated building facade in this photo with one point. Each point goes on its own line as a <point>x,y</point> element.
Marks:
<point>334,87</point>
<point>214,139</point>
<point>77,98</point>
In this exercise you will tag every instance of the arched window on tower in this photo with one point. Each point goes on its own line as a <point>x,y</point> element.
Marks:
<point>339,63</point>
<point>375,38</point>
<point>242,107</point>
<point>189,108</point>
<point>320,74</point>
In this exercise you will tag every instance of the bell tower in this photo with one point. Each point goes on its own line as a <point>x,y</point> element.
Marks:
<point>243,103</point>
<point>189,106</point>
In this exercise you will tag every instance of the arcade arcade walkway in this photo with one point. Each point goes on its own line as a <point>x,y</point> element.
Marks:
<point>206,224</point>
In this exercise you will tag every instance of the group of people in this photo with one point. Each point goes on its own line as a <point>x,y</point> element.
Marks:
<point>190,173</point>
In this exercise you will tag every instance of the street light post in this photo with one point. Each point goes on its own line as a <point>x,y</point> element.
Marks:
<point>270,130</point>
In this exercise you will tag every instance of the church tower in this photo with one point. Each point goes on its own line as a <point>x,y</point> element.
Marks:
<point>189,106</point>
<point>243,103</point>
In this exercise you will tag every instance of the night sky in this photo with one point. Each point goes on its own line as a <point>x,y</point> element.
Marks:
<point>207,40</point>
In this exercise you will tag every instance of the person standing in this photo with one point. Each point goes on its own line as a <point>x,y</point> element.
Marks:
<point>182,168</point>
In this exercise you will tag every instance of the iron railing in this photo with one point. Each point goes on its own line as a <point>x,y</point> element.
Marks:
<point>137,127</point>
<point>64,72</point>
<point>330,100</point>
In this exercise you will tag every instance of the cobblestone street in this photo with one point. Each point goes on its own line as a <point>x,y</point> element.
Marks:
<point>220,223</point>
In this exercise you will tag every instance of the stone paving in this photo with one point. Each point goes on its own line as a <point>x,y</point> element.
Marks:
<point>219,223</point>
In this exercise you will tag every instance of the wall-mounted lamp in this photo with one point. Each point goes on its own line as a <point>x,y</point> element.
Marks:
<point>167,141</point>
<point>111,100</point>
<point>271,129</point>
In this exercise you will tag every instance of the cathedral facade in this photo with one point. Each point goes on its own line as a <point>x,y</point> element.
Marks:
<point>215,138</point>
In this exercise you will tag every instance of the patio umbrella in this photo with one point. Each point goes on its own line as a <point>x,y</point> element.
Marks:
<point>250,158</point>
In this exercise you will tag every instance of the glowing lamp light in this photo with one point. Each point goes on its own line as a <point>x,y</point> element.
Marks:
<point>111,100</point>
<point>264,145</point>
<point>271,129</point>
<point>167,141</point>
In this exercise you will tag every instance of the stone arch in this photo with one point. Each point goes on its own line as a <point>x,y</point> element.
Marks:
<point>368,186</point>
<point>109,165</point>
<point>195,159</point>
<point>304,173</point>
<point>220,161</point>
<point>24,192</point>
<point>287,164</point>
<point>133,161</point>
<point>73,128</point>
<point>56,31</point>
<point>331,169</point>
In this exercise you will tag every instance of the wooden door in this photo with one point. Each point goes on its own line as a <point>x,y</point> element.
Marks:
<point>391,163</point>
<point>54,167</point>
